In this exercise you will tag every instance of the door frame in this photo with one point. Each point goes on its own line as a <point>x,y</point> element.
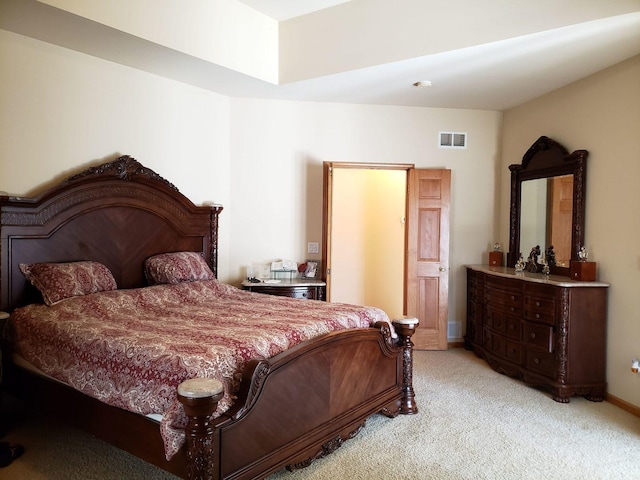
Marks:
<point>327,172</point>
<point>431,338</point>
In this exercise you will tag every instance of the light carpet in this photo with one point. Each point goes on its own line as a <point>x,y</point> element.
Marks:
<point>473,423</point>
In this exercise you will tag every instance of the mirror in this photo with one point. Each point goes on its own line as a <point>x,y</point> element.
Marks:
<point>546,209</point>
<point>547,203</point>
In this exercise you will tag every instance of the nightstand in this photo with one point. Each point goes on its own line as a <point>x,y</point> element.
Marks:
<point>308,288</point>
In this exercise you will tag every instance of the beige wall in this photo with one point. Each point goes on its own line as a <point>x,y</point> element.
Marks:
<point>61,111</point>
<point>277,150</point>
<point>600,114</point>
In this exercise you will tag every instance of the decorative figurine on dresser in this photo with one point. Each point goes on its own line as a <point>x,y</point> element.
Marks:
<point>548,330</point>
<point>550,255</point>
<point>532,261</point>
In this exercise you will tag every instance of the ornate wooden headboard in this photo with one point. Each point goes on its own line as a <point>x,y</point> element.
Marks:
<point>118,213</point>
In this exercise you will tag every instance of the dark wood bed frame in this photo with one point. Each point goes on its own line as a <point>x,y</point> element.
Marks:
<point>293,408</point>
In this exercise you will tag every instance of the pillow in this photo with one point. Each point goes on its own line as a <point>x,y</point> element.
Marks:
<point>57,281</point>
<point>177,267</point>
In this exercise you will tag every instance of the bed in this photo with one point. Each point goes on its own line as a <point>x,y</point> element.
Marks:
<point>289,409</point>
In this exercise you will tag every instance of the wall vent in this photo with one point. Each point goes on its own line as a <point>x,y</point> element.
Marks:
<point>453,140</point>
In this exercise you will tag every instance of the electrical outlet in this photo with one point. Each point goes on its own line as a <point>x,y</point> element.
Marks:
<point>313,247</point>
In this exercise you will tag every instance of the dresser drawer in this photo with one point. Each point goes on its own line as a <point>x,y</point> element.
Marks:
<point>541,362</point>
<point>513,352</point>
<point>496,344</point>
<point>486,338</point>
<point>473,292</point>
<point>538,335</point>
<point>472,333</point>
<point>515,310</point>
<point>474,322</point>
<point>540,309</point>
<point>299,292</point>
<point>494,319</point>
<point>513,328</point>
<point>306,292</point>
<point>497,296</point>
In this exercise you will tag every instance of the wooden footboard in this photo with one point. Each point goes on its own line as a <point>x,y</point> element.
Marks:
<point>304,403</point>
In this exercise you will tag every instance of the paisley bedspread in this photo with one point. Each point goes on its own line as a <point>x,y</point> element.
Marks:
<point>132,348</point>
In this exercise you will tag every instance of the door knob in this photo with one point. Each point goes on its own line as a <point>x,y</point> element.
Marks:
<point>442,269</point>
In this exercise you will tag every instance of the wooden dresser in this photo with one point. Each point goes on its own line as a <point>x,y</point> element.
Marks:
<point>549,331</point>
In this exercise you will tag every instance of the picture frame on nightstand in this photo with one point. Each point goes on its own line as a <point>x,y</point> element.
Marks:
<point>312,269</point>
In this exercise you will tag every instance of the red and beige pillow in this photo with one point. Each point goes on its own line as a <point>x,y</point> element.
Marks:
<point>177,267</point>
<point>58,281</point>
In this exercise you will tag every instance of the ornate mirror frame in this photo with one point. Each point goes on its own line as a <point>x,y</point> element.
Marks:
<point>546,158</point>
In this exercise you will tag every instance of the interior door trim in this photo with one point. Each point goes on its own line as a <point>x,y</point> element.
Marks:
<point>327,169</point>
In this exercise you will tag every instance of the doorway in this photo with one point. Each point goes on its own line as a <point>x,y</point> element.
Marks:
<point>359,208</point>
<point>368,237</point>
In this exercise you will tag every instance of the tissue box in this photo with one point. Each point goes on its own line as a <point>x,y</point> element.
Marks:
<point>583,271</point>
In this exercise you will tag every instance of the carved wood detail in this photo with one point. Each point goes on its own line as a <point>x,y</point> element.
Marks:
<point>562,336</point>
<point>122,168</point>
<point>326,449</point>
<point>255,375</point>
<point>200,439</point>
<point>405,332</point>
<point>96,194</point>
<point>547,158</point>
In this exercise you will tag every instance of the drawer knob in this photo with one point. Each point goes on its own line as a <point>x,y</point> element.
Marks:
<point>512,297</point>
<point>536,360</point>
<point>537,315</point>
<point>537,304</point>
<point>533,335</point>
<point>513,309</point>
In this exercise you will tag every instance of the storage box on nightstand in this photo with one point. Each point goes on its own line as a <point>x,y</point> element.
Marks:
<point>583,271</point>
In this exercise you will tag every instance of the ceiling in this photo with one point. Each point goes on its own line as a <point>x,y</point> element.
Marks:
<point>286,9</point>
<point>491,76</point>
<point>494,76</point>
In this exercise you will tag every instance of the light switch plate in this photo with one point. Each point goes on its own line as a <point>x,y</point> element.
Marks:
<point>313,247</point>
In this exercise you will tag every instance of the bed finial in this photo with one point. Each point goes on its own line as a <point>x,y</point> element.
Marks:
<point>124,168</point>
<point>200,397</point>
<point>405,328</point>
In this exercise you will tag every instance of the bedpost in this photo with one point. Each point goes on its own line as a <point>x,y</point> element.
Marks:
<point>405,328</point>
<point>200,397</point>
<point>213,235</point>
